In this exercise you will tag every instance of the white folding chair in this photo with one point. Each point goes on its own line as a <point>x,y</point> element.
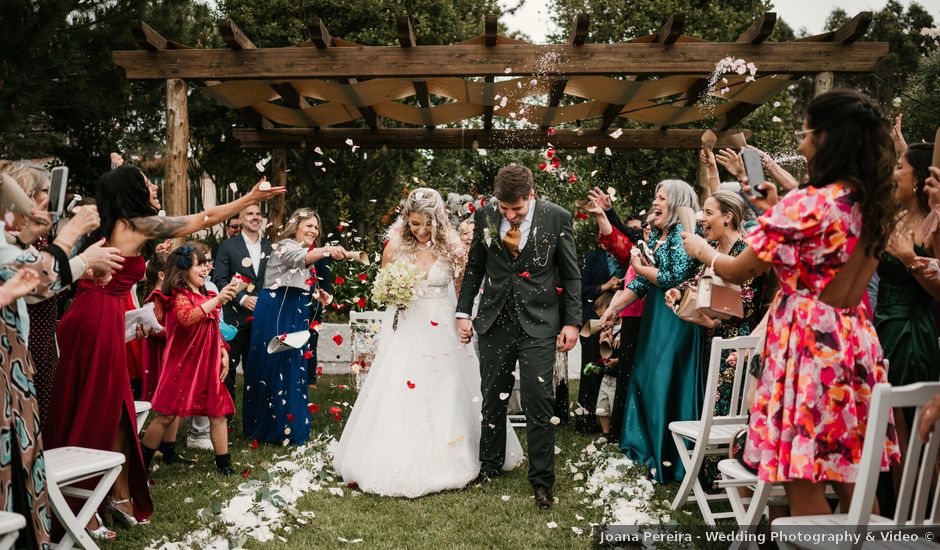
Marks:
<point>142,408</point>
<point>67,466</point>
<point>10,525</point>
<point>712,434</point>
<point>915,492</point>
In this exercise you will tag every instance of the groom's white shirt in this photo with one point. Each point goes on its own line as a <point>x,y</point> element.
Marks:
<point>504,226</point>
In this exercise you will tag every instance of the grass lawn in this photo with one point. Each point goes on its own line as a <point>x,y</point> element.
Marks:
<point>471,518</point>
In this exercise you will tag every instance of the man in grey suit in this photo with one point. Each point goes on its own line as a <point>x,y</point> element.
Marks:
<point>230,260</point>
<point>524,256</point>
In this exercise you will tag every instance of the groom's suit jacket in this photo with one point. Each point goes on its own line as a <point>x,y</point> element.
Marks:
<point>545,279</point>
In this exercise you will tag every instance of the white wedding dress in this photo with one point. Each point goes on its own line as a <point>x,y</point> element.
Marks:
<point>415,427</point>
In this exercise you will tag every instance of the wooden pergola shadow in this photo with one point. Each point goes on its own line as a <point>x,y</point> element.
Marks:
<point>326,91</point>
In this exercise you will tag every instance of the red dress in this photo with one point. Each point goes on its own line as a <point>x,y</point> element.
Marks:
<point>153,346</point>
<point>192,361</point>
<point>92,389</point>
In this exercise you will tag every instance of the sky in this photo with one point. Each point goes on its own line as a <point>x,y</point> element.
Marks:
<point>533,20</point>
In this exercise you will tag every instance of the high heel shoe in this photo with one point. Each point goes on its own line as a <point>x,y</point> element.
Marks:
<point>120,516</point>
<point>102,532</point>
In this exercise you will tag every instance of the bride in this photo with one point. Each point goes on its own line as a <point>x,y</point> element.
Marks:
<point>415,427</point>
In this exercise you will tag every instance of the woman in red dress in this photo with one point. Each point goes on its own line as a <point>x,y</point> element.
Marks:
<point>195,361</point>
<point>92,405</point>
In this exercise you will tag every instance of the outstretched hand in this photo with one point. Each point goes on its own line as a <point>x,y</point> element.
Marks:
<point>263,191</point>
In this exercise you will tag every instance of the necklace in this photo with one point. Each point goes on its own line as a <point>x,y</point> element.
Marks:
<point>419,247</point>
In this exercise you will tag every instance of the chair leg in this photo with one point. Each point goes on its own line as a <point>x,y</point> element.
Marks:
<point>8,540</point>
<point>75,524</point>
<point>692,461</point>
<point>755,508</point>
<point>737,503</point>
<point>686,487</point>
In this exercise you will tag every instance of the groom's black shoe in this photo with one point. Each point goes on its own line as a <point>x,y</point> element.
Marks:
<point>543,497</point>
<point>484,477</point>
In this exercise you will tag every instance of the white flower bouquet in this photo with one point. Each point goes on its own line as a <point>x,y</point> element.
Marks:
<point>395,284</point>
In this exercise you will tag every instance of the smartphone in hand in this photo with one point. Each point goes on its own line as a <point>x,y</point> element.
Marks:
<point>60,177</point>
<point>936,149</point>
<point>755,172</point>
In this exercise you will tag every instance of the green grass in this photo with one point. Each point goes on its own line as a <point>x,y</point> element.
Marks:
<point>471,518</point>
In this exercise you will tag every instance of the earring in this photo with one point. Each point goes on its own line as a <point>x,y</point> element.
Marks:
<point>726,224</point>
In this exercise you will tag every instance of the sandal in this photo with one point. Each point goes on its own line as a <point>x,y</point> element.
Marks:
<point>121,517</point>
<point>102,533</point>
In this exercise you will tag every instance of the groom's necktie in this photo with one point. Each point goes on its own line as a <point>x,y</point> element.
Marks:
<point>512,239</point>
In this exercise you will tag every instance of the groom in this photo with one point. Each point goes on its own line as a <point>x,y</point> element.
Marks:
<point>523,254</point>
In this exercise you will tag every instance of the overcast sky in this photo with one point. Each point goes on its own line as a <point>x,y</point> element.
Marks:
<point>533,20</point>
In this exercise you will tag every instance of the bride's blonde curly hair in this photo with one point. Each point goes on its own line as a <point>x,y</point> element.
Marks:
<point>444,238</point>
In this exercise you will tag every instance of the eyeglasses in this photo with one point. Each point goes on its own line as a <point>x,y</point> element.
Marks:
<point>800,133</point>
<point>231,226</point>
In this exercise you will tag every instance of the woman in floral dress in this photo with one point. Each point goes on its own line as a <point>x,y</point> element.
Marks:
<point>822,358</point>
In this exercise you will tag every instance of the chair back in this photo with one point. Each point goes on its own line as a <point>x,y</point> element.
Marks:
<point>745,348</point>
<point>920,457</point>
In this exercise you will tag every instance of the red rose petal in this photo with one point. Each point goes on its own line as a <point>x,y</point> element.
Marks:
<point>361,302</point>
<point>283,337</point>
<point>338,339</point>
<point>337,417</point>
<point>550,131</point>
<point>310,281</point>
<point>524,274</point>
<point>559,290</point>
<point>556,163</point>
<point>314,325</point>
<point>549,153</point>
<point>434,323</point>
<point>335,410</point>
<point>250,318</point>
<point>339,280</point>
<point>308,354</point>
<point>572,178</point>
<point>411,385</point>
<point>319,371</point>
<point>313,407</point>
<point>290,417</point>
<point>245,473</point>
<point>254,443</point>
<point>362,276</point>
<point>471,208</point>
<point>482,202</point>
<point>543,167</point>
<point>342,387</point>
<point>581,215</point>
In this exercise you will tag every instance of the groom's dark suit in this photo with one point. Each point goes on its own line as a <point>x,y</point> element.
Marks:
<point>520,316</point>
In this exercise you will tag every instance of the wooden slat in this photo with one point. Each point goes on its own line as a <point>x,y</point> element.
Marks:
<point>844,37</point>
<point>489,30</point>
<point>457,138</point>
<point>146,37</point>
<point>406,36</point>
<point>175,162</point>
<point>488,94</point>
<point>233,36</point>
<point>667,34</point>
<point>319,34</point>
<point>577,37</point>
<point>759,30</point>
<point>523,59</point>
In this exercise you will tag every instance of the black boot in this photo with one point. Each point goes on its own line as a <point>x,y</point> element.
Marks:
<point>148,455</point>
<point>168,449</point>
<point>223,463</point>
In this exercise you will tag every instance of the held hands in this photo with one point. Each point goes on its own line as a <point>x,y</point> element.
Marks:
<point>567,338</point>
<point>263,191</point>
<point>464,330</point>
<point>25,281</point>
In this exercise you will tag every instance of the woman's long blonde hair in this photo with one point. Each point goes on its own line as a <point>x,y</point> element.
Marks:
<point>445,240</point>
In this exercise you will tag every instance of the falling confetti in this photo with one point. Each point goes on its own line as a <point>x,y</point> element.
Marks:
<point>607,151</point>
<point>616,133</point>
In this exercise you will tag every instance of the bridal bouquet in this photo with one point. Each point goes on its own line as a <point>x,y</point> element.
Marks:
<point>395,284</point>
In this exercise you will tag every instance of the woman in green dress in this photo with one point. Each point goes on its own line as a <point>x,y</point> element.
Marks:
<point>667,383</point>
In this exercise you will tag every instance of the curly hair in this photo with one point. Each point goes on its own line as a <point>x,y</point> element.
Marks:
<point>853,146</point>
<point>445,241</point>
<point>919,156</point>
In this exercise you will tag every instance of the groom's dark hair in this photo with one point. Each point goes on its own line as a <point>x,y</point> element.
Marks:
<point>513,182</point>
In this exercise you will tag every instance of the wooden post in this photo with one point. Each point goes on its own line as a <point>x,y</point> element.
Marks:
<point>278,177</point>
<point>176,180</point>
<point>822,83</point>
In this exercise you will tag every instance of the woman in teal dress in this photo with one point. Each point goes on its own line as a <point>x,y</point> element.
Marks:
<point>668,381</point>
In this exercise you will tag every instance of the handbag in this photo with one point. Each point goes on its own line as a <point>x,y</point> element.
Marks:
<point>718,298</point>
<point>687,309</point>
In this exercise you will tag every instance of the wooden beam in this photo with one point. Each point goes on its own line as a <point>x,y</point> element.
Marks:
<point>489,30</point>
<point>175,176</point>
<point>577,37</point>
<point>845,36</point>
<point>291,96</point>
<point>254,118</point>
<point>319,35</point>
<point>457,138</point>
<point>233,36</point>
<point>759,30</point>
<point>489,93</point>
<point>667,34</point>
<point>406,36</point>
<point>146,37</point>
<point>471,60</point>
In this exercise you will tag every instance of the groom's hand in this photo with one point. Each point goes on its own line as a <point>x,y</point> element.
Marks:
<point>567,338</point>
<point>464,330</point>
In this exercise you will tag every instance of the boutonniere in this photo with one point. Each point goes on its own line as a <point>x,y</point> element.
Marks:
<point>487,237</point>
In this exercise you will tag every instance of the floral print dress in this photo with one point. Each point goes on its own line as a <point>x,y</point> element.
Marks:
<point>820,363</point>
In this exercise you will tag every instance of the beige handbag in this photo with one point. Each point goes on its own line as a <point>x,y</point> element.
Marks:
<point>686,308</point>
<point>718,298</point>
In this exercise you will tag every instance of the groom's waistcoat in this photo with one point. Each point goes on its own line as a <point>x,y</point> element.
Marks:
<point>544,281</point>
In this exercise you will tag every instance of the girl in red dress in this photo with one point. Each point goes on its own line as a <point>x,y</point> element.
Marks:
<point>195,361</point>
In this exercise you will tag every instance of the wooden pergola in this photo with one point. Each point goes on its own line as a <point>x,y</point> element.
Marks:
<point>326,91</point>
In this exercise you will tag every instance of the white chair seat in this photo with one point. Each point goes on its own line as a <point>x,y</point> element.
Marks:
<point>142,409</point>
<point>67,466</point>
<point>840,524</point>
<point>10,525</point>
<point>717,435</point>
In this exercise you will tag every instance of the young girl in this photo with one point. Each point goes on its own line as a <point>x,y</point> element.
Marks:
<point>194,361</point>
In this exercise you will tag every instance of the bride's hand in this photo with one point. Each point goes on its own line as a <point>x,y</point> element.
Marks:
<point>464,330</point>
